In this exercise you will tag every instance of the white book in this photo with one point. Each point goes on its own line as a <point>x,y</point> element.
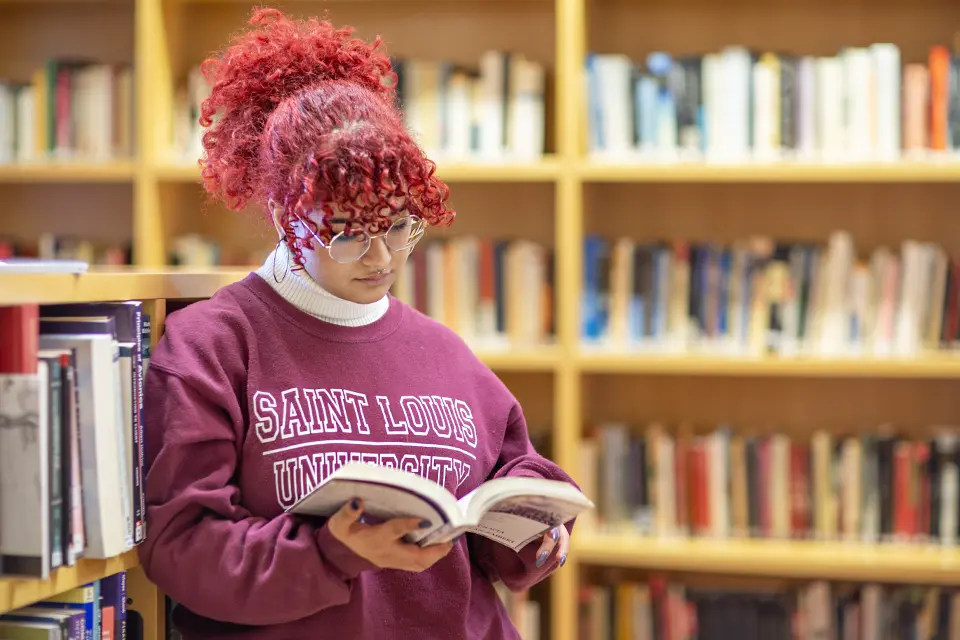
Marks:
<point>21,266</point>
<point>24,474</point>
<point>105,505</point>
<point>511,511</point>
<point>887,124</point>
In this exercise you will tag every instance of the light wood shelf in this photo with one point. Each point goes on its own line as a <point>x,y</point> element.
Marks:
<point>522,359</point>
<point>945,365</point>
<point>78,172</point>
<point>905,171</point>
<point>15,593</point>
<point>545,170</point>
<point>810,560</point>
<point>115,284</point>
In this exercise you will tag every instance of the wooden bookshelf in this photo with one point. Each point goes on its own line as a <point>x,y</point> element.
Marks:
<point>20,593</point>
<point>802,560</point>
<point>557,200</point>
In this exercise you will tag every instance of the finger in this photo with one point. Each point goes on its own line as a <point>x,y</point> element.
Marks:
<point>564,546</point>
<point>399,527</point>
<point>547,546</point>
<point>422,558</point>
<point>346,517</point>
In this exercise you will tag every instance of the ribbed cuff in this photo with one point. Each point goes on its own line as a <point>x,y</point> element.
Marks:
<point>340,557</point>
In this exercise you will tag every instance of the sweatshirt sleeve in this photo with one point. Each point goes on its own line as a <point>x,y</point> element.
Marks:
<point>203,547</point>
<point>517,570</point>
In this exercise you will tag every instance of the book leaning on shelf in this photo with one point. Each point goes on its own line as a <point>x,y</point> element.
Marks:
<point>511,511</point>
<point>71,383</point>
<point>96,611</point>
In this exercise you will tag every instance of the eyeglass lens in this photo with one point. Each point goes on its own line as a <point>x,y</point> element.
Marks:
<point>401,235</point>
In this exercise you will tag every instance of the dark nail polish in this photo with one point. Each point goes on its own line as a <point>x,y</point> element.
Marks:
<point>355,504</point>
<point>424,524</point>
<point>563,560</point>
<point>541,558</point>
<point>555,534</point>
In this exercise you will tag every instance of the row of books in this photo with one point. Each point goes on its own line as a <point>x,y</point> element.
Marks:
<point>761,296</point>
<point>874,487</point>
<point>491,111</point>
<point>862,104</point>
<point>49,246</point>
<point>658,609</point>
<point>187,250</point>
<point>494,293</point>
<point>71,446</point>
<point>94,611</point>
<point>70,109</point>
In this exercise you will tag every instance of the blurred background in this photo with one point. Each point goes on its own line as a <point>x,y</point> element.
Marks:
<point>710,245</point>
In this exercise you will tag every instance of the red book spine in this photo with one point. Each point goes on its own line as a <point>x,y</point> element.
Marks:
<point>799,481</point>
<point>19,338</point>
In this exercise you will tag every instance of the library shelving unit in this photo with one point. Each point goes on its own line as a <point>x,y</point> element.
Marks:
<point>154,288</point>
<point>153,197</point>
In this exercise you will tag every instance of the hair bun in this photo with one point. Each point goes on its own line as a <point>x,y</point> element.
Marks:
<point>263,66</point>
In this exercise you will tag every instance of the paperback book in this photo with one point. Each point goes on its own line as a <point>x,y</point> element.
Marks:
<point>511,511</point>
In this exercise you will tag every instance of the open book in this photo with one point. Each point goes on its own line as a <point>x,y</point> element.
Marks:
<point>511,511</point>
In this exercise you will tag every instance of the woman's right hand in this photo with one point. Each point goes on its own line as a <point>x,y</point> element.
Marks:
<point>383,544</point>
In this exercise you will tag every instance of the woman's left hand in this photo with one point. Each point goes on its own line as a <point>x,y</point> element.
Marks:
<point>554,541</point>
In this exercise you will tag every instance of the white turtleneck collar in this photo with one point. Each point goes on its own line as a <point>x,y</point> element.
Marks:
<point>303,292</point>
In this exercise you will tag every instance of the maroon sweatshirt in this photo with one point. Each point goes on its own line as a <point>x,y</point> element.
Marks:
<point>250,402</point>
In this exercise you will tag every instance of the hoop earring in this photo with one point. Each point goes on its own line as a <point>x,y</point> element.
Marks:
<point>274,267</point>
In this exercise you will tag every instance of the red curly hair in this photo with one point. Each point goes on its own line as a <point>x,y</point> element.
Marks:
<point>304,115</point>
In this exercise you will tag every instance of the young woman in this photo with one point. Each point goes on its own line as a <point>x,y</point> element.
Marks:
<point>258,394</point>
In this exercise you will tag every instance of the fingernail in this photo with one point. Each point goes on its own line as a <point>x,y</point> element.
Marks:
<point>424,524</point>
<point>555,534</point>
<point>541,558</point>
<point>563,560</point>
<point>355,504</point>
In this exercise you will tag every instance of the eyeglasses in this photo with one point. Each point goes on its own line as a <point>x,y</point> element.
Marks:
<point>350,246</point>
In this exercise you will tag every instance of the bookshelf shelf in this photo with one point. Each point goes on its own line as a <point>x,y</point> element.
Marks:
<point>16,593</point>
<point>545,170</point>
<point>931,367</point>
<point>68,172</point>
<point>532,360</point>
<point>780,559</point>
<point>115,284</point>
<point>599,171</point>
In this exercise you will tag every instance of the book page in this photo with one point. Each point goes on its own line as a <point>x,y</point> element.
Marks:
<point>509,530</point>
<point>516,522</point>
